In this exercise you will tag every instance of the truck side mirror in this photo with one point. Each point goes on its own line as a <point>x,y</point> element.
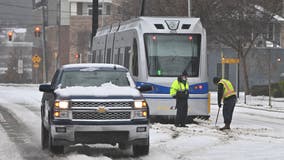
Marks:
<point>45,88</point>
<point>145,88</point>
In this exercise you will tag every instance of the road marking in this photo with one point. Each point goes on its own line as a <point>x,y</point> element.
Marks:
<point>2,118</point>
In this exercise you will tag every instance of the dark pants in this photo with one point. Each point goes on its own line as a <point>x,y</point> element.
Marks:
<point>228,109</point>
<point>182,107</point>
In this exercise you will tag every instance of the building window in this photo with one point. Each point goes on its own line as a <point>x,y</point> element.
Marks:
<point>79,8</point>
<point>90,10</point>
<point>100,9</point>
<point>107,8</point>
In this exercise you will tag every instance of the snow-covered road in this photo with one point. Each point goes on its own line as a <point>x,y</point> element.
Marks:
<point>256,134</point>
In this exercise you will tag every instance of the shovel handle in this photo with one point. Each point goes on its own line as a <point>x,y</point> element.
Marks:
<point>217,116</point>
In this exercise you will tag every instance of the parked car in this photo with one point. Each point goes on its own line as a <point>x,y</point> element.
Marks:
<point>94,103</point>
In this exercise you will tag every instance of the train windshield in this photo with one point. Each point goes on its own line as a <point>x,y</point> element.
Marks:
<point>168,55</point>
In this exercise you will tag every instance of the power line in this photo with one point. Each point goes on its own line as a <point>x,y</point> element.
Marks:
<point>13,5</point>
<point>19,24</point>
<point>20,6</point>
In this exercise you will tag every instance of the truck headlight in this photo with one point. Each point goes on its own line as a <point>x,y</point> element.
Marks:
<point>61,114</point>
<point>61,104</point>
<point>140,104</point>
<point>140,114</point>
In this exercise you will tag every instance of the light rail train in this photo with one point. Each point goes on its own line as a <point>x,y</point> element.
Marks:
<point>156,50</point>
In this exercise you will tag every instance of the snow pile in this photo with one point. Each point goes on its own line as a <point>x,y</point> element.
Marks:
<point>106,89</point>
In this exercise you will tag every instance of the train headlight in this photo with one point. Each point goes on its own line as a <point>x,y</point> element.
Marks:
<point>61,104</point>
<point>140,104</point>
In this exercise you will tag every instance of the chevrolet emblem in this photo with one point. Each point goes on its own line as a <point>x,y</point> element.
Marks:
<point>101,109</point>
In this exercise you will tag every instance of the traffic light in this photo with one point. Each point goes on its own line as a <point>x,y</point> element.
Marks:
<point>77,55</point>
<point>37,31</point>
<point>10,35</point>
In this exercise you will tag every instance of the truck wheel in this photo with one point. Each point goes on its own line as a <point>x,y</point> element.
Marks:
<point>52,148</point>
<point>44,137</point>
<point>140,150</point>
<point>123,146</point>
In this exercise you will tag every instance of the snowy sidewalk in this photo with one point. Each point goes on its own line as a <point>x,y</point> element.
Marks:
<point>256,102</point>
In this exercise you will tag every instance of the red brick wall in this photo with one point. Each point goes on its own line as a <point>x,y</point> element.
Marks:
<point>56,56</point>
<point>79,25</point>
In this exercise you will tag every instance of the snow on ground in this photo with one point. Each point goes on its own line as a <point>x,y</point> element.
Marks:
<point>256,133</point>
<point>8,150</point>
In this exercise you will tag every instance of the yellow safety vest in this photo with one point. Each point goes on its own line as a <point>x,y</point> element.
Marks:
<point>228,88</point>
<point>178,86</point>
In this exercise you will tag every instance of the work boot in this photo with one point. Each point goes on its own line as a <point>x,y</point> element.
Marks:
<point>185,126</point>
<point>227,126</point>
<point>178,125</point>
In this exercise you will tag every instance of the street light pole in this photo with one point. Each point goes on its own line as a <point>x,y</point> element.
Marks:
<point>269,80</point>
<point>44,68</point>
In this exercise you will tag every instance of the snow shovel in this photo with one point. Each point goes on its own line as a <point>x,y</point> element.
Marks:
<point>217,116</point>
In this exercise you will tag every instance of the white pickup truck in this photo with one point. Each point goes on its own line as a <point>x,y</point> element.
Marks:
<point>94,103</point>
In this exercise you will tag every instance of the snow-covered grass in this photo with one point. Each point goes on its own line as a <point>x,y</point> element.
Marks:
<point>256,102</point>
<point>257,131</point>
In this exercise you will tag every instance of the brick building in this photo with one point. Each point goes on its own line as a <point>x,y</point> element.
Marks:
<point>69,24</point>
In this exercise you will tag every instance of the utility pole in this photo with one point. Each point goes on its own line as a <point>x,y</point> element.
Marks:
<point>103,12</point>
<point>189,7</point>
<point>141,13</point>
<point>269,79</point>
<point>44,68</point>
<point>58,35</point>
<point>95,23</point>
<point>95,19</point>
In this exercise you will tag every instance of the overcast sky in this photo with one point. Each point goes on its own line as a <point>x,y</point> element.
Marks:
<point>15,12</point>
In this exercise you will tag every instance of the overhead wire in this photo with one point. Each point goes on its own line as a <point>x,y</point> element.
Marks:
<point>32,15</point>
<point>26,7</point>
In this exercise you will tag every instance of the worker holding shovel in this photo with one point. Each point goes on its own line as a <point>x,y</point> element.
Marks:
<point>228,95</point>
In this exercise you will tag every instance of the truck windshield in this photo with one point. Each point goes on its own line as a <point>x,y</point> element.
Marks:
<point>168,55</point>
<point>93,78</point>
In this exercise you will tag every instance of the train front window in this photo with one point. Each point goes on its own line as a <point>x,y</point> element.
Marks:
<point>168,55</point>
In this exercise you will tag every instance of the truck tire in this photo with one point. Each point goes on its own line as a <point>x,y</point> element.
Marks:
<point>44,137</point>
<point>123,146</point>
<point>52,148</point>
<point>140,150</point>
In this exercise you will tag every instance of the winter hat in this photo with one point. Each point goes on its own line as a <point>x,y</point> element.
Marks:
<point>216,80</point>
<point>184,73</point>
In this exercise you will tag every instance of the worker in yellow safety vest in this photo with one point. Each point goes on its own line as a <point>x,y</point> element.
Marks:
<point>228,95</point>
<point>179,91</point>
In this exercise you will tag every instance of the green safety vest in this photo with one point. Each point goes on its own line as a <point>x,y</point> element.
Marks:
<point>178,86</point>
<point>228,88</point>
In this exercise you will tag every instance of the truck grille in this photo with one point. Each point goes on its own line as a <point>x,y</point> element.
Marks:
<point>105,104</point>
<point>101,116</point>
<point>101,137</point>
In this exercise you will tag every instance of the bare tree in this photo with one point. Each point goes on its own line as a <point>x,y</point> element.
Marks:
<point>237,24</point>
<point>128,9</point>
